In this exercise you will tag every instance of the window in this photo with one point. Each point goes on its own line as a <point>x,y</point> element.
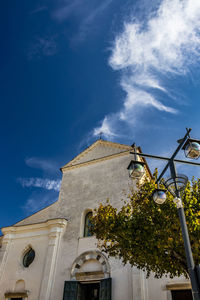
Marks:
<point>28,258</point>
<point>181,294</point>
<point>88,225</point>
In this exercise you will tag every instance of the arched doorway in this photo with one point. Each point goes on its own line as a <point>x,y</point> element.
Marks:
<point>90,278</point>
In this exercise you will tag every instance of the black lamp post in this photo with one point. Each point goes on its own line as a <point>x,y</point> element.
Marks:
<point>175,184</point>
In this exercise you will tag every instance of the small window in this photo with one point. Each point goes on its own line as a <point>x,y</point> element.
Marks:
<point>181,294</point>
<point>88,224</point>
<point>28,258</point>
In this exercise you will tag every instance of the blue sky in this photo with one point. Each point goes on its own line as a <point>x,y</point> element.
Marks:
<point>71,69</point>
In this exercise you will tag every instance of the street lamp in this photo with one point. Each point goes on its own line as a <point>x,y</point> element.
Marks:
<point>159,196</point>
<point>192,148</point>
<point>136,167</point>
<point>175,185</point>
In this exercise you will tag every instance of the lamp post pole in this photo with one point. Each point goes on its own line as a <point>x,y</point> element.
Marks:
<point>186,239</point>
<point>188,252</point>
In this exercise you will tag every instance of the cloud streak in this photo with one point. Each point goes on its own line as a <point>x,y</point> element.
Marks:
<point>43,183</point>
<point>42,164</point>
<point>84,12</point>
<point>147,53</point>
<point>85,25</point>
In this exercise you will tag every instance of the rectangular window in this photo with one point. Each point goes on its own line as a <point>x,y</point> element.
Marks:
<point>181,294</point>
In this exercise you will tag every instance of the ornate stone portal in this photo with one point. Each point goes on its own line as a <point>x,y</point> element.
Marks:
<point>90,265</point>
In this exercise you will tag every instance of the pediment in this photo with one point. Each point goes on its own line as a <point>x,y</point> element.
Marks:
<point>99,149</point>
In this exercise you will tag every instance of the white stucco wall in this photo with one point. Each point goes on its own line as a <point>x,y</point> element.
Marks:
<point>44,239</point>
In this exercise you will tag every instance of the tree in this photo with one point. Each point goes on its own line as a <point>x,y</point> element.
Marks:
<point>147,235</point>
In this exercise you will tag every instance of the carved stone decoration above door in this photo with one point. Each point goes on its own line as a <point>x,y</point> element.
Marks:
<point>90,265</point>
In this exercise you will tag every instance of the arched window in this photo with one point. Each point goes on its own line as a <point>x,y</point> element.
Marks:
<point>88,225</point>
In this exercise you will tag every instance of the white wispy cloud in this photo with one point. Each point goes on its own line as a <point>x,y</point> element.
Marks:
<point>85,25</point>
<point>166,44</point>
<point>67,9</point>
<point>105,128</point>
<point>85,13</point>
<point>43,183</point>
<point>39,163</point>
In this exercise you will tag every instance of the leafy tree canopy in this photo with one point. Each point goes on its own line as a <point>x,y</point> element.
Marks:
<point>148,235</point>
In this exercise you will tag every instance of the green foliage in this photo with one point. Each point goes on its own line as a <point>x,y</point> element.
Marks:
<point>147,235</point>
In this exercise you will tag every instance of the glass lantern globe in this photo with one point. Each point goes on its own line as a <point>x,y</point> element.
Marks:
<point>136,169</point>
<point>192,150</point>
<point>159,196</point>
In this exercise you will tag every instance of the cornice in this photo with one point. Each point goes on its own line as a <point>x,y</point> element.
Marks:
<point>47,225</point>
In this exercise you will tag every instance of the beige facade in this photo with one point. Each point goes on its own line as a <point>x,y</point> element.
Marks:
<point>62,253</point>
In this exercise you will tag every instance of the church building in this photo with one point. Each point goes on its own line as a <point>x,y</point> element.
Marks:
<point>51,254</point>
